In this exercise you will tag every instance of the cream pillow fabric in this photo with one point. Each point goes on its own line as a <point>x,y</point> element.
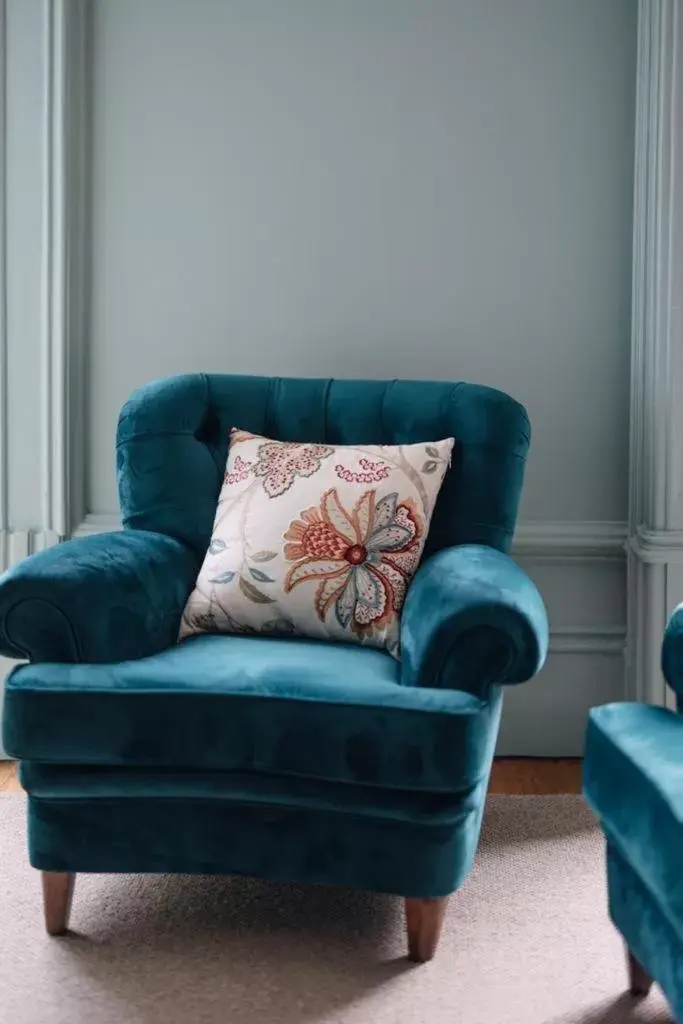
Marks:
<point>316,540</point>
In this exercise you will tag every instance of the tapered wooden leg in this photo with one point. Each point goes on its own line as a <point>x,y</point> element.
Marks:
<point>424,919</point>
<point>58,887</point>
<point>640,981</point>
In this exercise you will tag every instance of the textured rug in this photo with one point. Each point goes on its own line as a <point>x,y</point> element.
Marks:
<point>526,941</point>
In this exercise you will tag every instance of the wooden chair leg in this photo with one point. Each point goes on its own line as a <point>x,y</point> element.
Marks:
<point>58,887</point>
<point>640,981</point>
<point>424,919</point>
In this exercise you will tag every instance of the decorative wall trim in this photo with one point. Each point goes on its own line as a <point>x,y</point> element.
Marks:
<point>4,489</point>
<point>64,293</point>
<point>656,469</point>
<point>657,547</point>
<point>562,541</point>
<point>543,541</point>
<point>608,640</point>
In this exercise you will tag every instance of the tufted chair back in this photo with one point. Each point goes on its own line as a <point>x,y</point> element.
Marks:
<point>172,445</point>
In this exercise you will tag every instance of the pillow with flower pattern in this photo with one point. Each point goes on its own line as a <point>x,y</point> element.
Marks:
<point>316,540</point>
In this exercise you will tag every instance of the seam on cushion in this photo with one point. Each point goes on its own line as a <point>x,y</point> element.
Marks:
<point>254,768</point>
<point>273,386</point>
<point>483,704</point>
<point>283,808</point>
<point>218,465</point>
<point>146,434</point>
<point>328,388</point>
<point>286,773</point>
<point>50,604</point>
<point>388,387</point>
<point>208,395</point>
<point>461,794</point>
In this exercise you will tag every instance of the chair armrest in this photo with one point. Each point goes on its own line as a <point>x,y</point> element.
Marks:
<point>472,618</point>
<point>107,597</point>
<point>672,651</point>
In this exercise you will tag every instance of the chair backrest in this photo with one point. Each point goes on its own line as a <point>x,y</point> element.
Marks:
<point>173,437</point>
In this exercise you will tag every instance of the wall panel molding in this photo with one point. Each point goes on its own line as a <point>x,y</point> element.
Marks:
<point>563,541</point>
<point>65,150</point>
<point>655,544</point>
<point>43,85</point>
<point>609,641</point>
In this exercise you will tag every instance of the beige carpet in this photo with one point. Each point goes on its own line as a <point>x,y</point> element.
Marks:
<point>527,941</point>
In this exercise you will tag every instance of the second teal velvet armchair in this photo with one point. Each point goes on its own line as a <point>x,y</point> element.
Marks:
<point>285,758</point>
<point>633,780</point>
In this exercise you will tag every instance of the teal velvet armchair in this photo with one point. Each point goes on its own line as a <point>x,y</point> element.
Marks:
<point>284,758</point>
<point>633,779</point>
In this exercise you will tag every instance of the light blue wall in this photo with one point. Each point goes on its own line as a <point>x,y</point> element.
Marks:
<point>379,188</point>
<point>432,188</point>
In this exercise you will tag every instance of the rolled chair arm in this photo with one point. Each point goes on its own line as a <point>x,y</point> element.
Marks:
<point>107,597</point>
<point>672,652</point>
<point>472,618</point>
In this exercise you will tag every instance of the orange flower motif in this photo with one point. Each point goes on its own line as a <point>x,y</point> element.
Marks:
<point>363,560</point>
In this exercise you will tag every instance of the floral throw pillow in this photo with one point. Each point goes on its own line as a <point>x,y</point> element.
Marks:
<point>316,540</point>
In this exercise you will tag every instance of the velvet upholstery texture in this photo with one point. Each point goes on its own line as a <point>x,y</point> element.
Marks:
<point>672,654</point>
<point>213,834</point>
<point>185,423</point>
<point>633,779</point>
<point>288,758</point>
<point>105,598</point>
<point>472,619</point>
<point>298,707</point>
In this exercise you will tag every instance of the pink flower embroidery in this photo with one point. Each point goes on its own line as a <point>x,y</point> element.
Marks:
<point>239,472</point>
<point>373,472</point>
<point>363,560</point>
<point>279,463</point>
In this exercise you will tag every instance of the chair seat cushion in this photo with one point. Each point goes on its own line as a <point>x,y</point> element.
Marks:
<point>254,704</point>
<point>633,779</point>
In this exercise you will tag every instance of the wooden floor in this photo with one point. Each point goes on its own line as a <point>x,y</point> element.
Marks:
<point>9,783</point>
<point>511,776</point>
<point>535,776</point>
